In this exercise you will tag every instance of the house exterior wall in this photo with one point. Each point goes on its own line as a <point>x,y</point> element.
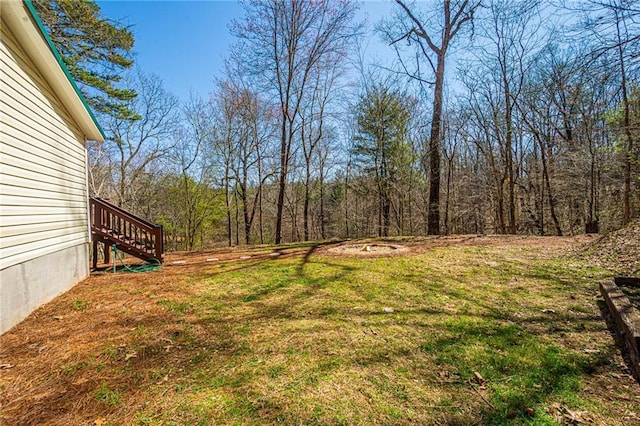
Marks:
<point>43,191</point>
<point>27,285</point>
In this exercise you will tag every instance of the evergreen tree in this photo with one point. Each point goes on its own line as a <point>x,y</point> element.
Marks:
<point>96,50</point>
<point>381,144</point>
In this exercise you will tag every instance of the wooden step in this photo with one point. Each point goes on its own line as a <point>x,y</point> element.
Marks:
<point>133,235</point>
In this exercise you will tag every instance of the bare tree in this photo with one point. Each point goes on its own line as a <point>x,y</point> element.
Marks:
<point>615,28</point>
<point>413,27</point>
<point>243,145</point>
<point>495,78</point>
<point>195,171</point>
<point>224,146</point>
<point>134,145</point>
<point>313,125</point>
<point>284,41</point>
<point>253,134</point>
<point>621,38</point>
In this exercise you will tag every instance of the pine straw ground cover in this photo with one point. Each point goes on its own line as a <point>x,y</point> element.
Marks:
<point>454,331</point>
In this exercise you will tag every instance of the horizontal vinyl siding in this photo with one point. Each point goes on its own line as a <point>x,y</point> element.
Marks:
<point>29,220</point>
<point>68,226</point>
<point>43,195</point>
<point>27,162</point>
<point>27,92</point>
<point>54,135</point>
<point>52,193</point>
<point>15,244</point>
<point>56,152</point>
<point>36,189</point>
<point>42,247</point>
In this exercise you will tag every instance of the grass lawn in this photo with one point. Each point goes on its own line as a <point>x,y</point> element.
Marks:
<point>491,331</point>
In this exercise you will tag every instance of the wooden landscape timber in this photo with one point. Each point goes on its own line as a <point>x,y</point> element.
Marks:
<point>625,316</point>
<point>628,281</point>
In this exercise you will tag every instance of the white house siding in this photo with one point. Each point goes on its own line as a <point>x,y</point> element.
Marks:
<point>43,193</point>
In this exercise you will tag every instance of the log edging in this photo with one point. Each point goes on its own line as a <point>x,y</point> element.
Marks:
<point>626,318</point>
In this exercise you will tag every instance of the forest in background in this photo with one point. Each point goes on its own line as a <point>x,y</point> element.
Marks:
<point>518,117</point>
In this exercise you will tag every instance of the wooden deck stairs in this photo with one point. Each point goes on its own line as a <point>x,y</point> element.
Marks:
<point>112,225</point>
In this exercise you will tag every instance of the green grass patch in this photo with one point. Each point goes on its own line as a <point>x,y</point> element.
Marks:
<point>315,331</point>
<point>108,396</point>
<point>175,306</point>
<point>80,305</point>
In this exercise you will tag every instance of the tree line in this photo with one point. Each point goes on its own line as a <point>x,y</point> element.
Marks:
<point>517,117</point>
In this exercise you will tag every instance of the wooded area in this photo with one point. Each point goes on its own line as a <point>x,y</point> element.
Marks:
<point>531,128</point>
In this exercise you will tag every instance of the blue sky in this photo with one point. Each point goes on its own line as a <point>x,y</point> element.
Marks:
<point>185,42</point>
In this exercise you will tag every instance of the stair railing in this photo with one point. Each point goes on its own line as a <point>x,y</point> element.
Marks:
<point>114,223</point>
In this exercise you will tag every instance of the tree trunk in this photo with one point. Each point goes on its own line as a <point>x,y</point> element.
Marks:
<point>346,200</point>
<point>261,226</point>
<point>386,212</point>
<point>245,213</point>
<point>447,228</point>
<point>541,198</point>
<point>550,197</point>
<point>307,195</point>
<point>626,122</point>
<point>323,234</point>
<point>433,218</point>
<point>509,154</point>
<point>592,226</point>
<point>282,183</point>
<point>237,212</point>
<point>228,207</point>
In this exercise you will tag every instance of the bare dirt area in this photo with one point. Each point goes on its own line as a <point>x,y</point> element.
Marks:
<point>327,333</point>
<point>369,249</point>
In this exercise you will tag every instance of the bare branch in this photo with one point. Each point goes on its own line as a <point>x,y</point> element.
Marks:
<point>422,33</point>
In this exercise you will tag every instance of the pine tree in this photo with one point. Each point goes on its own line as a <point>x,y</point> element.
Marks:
<point>381,144</point>
<point>95,49</point>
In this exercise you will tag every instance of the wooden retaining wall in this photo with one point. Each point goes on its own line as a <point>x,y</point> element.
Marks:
<point>626,317</point>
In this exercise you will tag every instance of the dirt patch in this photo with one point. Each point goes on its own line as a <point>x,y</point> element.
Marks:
<point>369,249</point>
